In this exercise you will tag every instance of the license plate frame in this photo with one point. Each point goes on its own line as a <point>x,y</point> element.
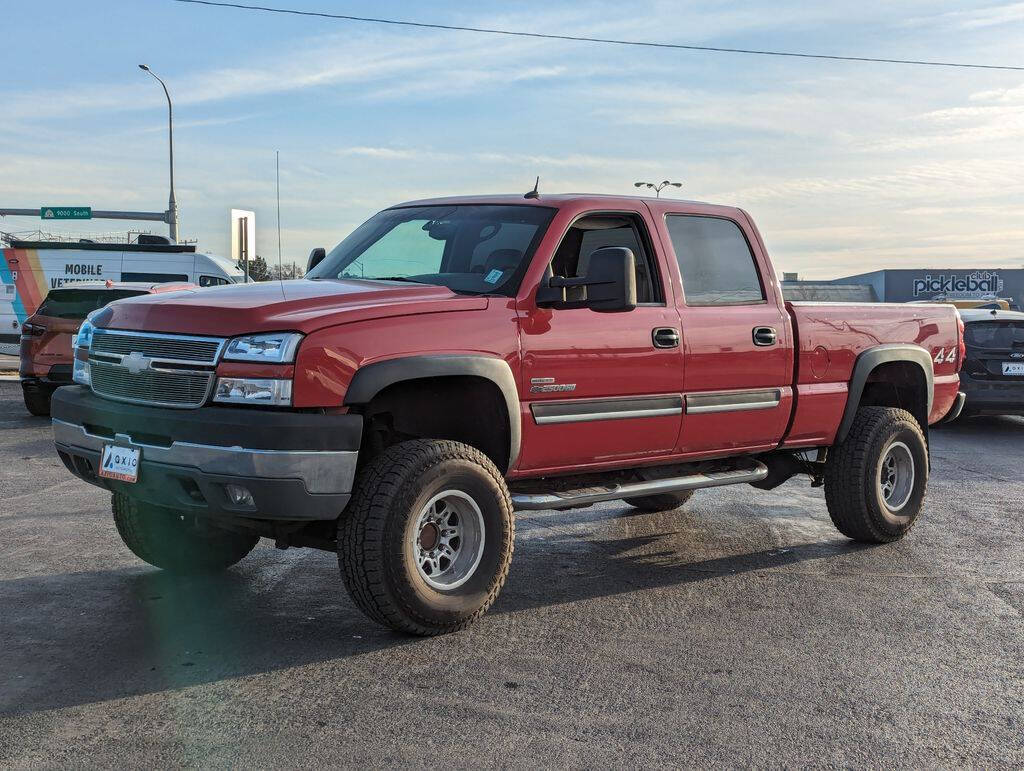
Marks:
<point>120,463</point>
<point>1013,368</point>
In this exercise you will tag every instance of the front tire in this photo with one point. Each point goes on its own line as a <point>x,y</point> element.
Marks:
<point>875,479</point>
<point>426,543</point>
<point>164,539</point>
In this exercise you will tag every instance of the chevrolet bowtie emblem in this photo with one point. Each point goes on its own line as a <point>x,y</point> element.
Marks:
<point>136,362</point>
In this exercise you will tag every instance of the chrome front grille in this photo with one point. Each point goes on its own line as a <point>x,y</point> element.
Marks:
<point>155,369</point>
<point>152,387</point>
<point>200,350</point>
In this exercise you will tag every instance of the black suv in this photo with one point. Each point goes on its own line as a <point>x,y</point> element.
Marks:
<point>993,373</point>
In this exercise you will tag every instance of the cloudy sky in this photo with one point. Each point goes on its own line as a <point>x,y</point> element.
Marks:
<point>847,167</point>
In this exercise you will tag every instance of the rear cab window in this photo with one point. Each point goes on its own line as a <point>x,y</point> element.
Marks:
<point>715,260</point>
<point>79,303</point>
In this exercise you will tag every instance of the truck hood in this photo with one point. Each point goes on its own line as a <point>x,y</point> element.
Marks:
<point>298,305</point>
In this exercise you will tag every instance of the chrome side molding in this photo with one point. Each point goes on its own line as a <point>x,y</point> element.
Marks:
<point>733,401</point>
<point>581,410</point>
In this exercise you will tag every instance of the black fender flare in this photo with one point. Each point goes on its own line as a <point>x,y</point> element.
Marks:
<point>872,358</point>
<point>374,378</point>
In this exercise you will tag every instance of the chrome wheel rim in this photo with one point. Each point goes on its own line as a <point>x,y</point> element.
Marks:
<point>448,540</point>
<point>896,476</point>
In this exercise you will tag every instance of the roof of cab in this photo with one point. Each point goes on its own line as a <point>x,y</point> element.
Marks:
<point>561,199</point>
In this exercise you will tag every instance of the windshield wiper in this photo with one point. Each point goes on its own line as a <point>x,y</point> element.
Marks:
<point>392,278</point>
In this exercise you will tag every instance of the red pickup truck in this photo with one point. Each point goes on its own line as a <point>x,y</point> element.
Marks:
<point>454,360</point>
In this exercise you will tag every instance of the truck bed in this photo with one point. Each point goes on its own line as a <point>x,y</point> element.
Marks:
<point>830,337</point>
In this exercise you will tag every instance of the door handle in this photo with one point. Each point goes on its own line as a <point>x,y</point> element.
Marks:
<point>765,336</point>
<point>665,337</point>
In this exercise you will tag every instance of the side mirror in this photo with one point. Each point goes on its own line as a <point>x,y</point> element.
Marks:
<point>315,258</point>
<point>608,286</point>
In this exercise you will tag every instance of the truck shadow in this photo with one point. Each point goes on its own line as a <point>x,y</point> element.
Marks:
<point>984,426</point>
<point>558,573</point>
<point>89,637</point>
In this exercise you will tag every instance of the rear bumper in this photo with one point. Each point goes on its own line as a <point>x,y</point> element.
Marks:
<point>956,409</point>
<point>55,376</point>
<point>993,397</point>
<point>296,466</point>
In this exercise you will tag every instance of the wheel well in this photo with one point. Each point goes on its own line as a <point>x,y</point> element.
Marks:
<point>465,409</point>
<point>899,384</point>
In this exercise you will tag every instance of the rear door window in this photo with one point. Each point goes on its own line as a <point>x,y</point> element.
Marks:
<point>79,303</point>
<point>715,261</point>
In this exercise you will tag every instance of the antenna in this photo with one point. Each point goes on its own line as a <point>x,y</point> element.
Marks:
<point>277,169</point>
<point>534,193</point>
<point>277,172</point>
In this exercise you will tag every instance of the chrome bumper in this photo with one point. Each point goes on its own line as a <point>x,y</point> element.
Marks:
<point>322,472</point>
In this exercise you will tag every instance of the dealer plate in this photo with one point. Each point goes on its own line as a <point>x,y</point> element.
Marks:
<point>121,463</point>
<point>1013,368</point>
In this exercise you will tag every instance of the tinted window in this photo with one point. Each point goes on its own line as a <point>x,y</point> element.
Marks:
<point>212,281</point>
<point>479,249</point>
<point>504,246</point>
<point>715,261</point>
<point>591,233</point>
<point>153,278</point>
<point>79,303</point>
<point>990,334</point>
<point>407,249</point>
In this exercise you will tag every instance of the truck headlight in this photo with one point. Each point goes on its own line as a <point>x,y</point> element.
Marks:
<point>270,392</point>
<point>275,348</point>
<point>80,371</point>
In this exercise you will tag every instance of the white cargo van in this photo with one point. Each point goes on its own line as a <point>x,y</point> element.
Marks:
<point>30,269</point>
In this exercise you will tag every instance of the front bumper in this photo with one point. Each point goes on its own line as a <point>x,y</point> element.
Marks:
<point>993,397</point>
<point>296,466</point>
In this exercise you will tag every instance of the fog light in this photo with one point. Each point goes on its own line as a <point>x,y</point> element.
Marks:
<point>81,372</point>
<point>239,496</point>
<point>263,391</point>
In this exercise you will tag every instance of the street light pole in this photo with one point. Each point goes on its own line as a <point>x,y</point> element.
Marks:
<point>659,187</point>
<point>172,206</point>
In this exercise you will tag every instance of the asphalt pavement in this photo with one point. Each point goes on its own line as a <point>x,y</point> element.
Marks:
<point>8,366</point>
<point>743,630</point>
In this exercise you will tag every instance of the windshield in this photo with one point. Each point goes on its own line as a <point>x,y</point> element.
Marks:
<point>480,249</point>
<point>79,303</point>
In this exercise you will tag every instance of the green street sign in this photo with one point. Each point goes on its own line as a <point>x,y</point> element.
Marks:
<point>65,212</point>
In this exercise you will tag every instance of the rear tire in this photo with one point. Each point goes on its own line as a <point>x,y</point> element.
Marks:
<point>662,502</point>
<point>37,402</point>
<point>166,539</point>
<point>875,479</point>
<point>426,543</point>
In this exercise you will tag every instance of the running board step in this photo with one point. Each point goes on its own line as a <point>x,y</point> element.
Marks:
<point>754,471</point>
